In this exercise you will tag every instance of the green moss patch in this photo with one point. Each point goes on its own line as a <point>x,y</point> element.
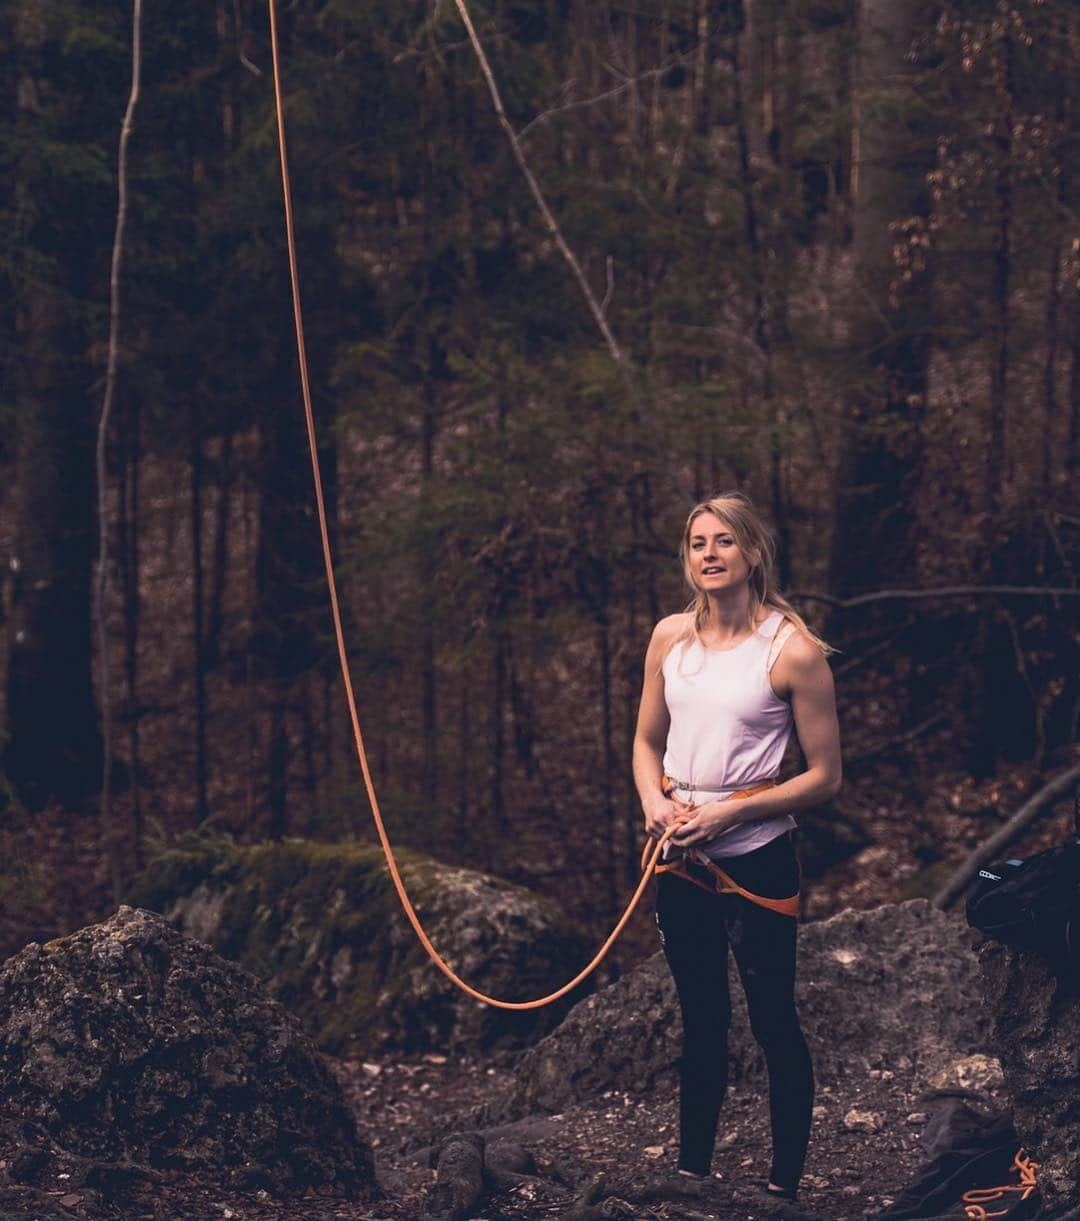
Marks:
<point>321,926</point>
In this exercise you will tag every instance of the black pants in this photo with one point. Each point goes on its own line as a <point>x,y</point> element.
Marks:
<point>696,929</point>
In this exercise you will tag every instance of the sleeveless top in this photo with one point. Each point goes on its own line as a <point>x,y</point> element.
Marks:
<point>728,728</point>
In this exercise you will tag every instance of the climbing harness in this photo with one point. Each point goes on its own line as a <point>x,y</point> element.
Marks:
<point>976,1199</point>
<point>702,871</point>
<point>651,855</point>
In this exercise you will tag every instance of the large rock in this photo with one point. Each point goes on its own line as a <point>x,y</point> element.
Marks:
<point>321,925</point>
<point>1036,1033</point>
<point>129,1042</point>
<point>896,987</point>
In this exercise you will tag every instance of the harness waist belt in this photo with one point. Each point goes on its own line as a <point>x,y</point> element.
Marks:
<point>722,882</point>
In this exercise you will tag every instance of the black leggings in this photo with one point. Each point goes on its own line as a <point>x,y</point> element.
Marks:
<point>696,929</point>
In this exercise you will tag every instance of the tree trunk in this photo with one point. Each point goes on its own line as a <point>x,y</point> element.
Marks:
<point>129,566</point>
<point>1007,721</point>
<point>429,718</point>
<point>465,748</point>
<point>889,318</point>
<point>999,367</point>
<point>290,616</point>
<point>219,572</point>
<point>53,745</point>
<point>608,763</point>
<point>1072,461</point>
<point>1050,370</point>
<point>196,464</point>
<point>763,321</point>
<point>498,744</point>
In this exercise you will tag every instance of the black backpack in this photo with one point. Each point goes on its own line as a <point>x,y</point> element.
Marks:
<point>1034,904</point>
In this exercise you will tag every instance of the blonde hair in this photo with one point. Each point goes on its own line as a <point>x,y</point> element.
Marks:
<point>756,543</point>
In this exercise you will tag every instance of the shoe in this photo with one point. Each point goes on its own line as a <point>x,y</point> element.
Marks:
<point>779,1193</point>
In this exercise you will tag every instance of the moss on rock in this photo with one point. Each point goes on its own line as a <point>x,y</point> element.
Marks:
<point>321,925</point>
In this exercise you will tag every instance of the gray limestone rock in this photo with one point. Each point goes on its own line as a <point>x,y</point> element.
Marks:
<point>1036,1032</point>
<point>893,987</point>
<point>321,925</point>
<point>129,1043</point>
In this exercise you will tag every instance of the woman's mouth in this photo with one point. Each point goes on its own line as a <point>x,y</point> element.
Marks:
<point>712,571</point>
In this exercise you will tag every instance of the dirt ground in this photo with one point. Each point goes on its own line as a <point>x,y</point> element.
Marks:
<point>864,1148</point>
<point>856,1163</point>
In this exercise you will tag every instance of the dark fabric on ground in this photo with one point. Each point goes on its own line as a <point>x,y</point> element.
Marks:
<point>969,1148</point>
<point>1034,905</point>
<point>696,929</point>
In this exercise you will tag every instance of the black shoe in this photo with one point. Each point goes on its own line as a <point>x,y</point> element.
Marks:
<point>779,1193</point>
<point>678,1186</point>
<point>782,1206</point>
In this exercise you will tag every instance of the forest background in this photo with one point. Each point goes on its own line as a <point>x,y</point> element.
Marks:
<point>837,244</point>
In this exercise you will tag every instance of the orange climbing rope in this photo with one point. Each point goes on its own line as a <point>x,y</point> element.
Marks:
<point>976,1199</point>
<point>650,857</point>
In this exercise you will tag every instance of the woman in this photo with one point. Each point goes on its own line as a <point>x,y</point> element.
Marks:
<point>724,682</point>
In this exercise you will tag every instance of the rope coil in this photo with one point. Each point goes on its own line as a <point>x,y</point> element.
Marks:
<point>976,1199</point>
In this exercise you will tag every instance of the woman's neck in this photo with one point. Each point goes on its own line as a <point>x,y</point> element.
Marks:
<point>727,617</point>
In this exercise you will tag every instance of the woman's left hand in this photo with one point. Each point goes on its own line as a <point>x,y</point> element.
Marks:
<point>706,822</point>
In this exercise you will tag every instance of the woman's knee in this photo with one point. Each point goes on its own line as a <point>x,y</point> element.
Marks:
<point>777,1029</point>
<point>706,1030</point>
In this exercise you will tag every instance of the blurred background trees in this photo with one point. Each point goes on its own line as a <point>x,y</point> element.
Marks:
<point>838,241</point>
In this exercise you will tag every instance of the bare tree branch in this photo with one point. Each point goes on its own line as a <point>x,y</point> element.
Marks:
<point>892,743</point>
<point>946,591</point>
<point>610,290</point>
<point>254,69</point>
<point>630,82</point>
<point>102,588</point>
<point>988,849</point>
<point>542,204</point>
<point>552,225</point>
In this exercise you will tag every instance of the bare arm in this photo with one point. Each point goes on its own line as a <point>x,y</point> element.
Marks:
<point>650,737</point>
<point>802,675</point>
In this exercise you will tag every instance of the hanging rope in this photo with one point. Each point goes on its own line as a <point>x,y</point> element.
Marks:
<point>651,855</point>
<point>361,753</point>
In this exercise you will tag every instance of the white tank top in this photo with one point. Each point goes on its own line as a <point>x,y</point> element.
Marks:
<point>728,729</point>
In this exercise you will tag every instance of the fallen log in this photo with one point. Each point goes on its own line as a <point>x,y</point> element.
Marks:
<point>1052,791</point>
<point>459,1179</point>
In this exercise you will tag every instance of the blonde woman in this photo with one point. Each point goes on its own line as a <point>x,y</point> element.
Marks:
<point>725,683</point>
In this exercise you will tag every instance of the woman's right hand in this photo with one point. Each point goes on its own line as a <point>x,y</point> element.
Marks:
<point>661,814</point>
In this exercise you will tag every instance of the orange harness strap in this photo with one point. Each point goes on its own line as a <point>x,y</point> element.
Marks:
<point>722,882</point>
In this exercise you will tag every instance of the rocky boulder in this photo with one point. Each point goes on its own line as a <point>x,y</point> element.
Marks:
<point>1036,1033</point>
<point>892,988</point>
<point>321,925</point>
<point>130,1043</point>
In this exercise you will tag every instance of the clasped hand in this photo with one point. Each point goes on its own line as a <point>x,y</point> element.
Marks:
<point>696,824</point>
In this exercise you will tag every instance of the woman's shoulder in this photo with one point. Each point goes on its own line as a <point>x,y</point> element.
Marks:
<point>796,646</point>
<point>666,634</point>
<point>671,627</point>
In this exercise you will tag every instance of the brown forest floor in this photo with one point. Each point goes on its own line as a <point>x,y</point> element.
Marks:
<point>398,1102</point>
<point>630,1141</point>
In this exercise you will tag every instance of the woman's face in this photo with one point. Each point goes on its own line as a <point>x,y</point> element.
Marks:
<point>716,560</point>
